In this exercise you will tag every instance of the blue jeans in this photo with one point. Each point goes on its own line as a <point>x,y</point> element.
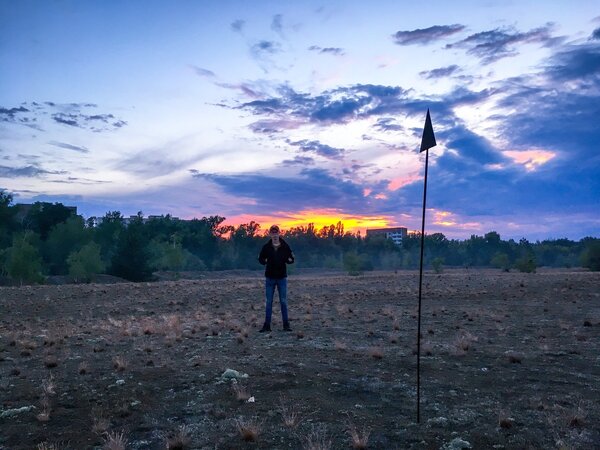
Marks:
<point>270,285</point>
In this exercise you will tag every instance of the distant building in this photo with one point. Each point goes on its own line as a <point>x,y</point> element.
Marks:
<point>396,234</point>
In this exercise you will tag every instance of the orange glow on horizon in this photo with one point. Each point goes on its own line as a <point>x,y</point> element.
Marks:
<point>319,217</point>
<point>449,219</point>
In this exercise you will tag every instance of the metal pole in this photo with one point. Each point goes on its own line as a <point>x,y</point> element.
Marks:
<point>420,289</point>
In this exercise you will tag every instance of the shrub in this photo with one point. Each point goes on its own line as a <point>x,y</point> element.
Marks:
<point>86,262</point>
<point>356,264</point>
<point>23,261</point>
<point>590,257</point>
<point>526,264</point>
<point>500,260</point>
<point>437,264</point>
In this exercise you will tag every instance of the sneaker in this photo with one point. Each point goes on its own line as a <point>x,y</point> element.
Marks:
<point>266,328</point>
<point>286,327</point>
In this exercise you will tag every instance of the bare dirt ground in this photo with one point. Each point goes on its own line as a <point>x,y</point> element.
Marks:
<point>509,361</point>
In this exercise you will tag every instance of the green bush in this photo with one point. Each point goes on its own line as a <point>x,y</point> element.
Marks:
<point>437,264</point>
<point>526,264</point>
<point>23,262</point>
<point>500,260</point>
<point>590,257</point>
<point>352,264</point>
<point>86,262</point>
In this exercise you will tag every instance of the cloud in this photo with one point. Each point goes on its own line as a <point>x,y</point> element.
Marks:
<point>265,47</point>
<point>263,51</point>
<point>596,34</point>
<point>314,188</point>
<point>277,24</point>
<point>77,115</point>
<point>27,171</point>
<point>336,51</point>
<point>76,148</point>
<point>339,105</point>
<point>490,46</point>
<point>578,62</point>
<point>238,25</point>
<point>8,114</point>
<point>202,72</point>
<point>299,161</point>
<point>423,36</point>
<point>441,72</point>
<point>317,148</point>
<point>387,124</point>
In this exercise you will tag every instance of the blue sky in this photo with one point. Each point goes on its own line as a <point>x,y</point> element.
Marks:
<point>293,112</point>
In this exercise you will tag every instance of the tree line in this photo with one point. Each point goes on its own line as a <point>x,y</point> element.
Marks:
<point>51,240</point>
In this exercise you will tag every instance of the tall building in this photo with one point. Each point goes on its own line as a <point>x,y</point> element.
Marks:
<point>396,234</point>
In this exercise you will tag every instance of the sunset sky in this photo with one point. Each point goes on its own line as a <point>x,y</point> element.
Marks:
<point>305,111</point>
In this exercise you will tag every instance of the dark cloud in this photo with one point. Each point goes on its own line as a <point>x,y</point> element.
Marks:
<point>26,171</point>
<point>559,112</point>
<point>244,88</point>
<point>76,148</point>
<point>336,51</point>
<point>490,46</point>
<point>8,114</point>
<point>277,24</point>
<point>265,47</point>
<point>387,124</point>
<point>424,36</point>
<point>579,62</point>
<point>238,25</point>
<point>317,148</point>
<point>442,72</point>
<point>203,72</point>
<point>596,34</point>
<point>78,115</point>
<point>336,106</point>
<point>299,161</point>
<point>66,119</point>
<point>314,188</point>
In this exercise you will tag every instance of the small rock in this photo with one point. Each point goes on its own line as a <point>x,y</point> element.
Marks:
<point>120,382</point>
<point>231,374</point>
<point>16,411</point>
<point>442,421</point>
<point>457,444</point>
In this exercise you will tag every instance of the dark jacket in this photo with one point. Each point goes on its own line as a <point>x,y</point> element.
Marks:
<point>276,260</point>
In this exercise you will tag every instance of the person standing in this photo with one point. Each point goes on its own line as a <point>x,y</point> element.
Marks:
<point>275,255</point>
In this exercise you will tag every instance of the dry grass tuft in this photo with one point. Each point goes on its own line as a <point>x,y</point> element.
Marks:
<point>50,361</point>
<point>505,421</point>
<point>289,413</point>
<point>513,357</point>
<point>249,429</point>
<point>317,439</point>
<point>44,414</point>
<point>83,368</point>
<point>48,446</point>
<point>375,352</point>
<point>240,392</point>
<point>339,345</point>
<point>462,343</point>
<point>180,440</point>
<point>100,423</point>
<point>358,440</point>
<point>114,441</point>
<point>49,386</point>
<point>119,363</point>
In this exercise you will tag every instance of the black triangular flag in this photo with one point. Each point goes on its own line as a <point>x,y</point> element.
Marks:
<point>428,139</point>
